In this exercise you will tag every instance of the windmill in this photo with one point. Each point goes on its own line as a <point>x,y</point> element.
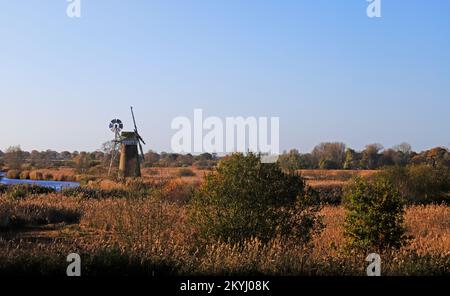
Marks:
<point>130,156</point>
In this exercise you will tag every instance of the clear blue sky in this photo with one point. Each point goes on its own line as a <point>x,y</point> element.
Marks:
<point>328,71</point>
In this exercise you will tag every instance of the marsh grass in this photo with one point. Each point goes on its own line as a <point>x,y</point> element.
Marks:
<point>146,232</point>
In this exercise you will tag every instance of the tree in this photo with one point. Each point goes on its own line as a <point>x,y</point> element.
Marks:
<point>352,160</point>
<point>66,155</point>
<point>327,164</point>
<point>14,157</point>
<point>437,157</point>
<point>245,198</point>
<point>306,161</point>
<point>390,157</point>
<point>204,156</point>
<point>421,183</point>
<point>371,155</point>
<point>186,160</point>
<point>82,162</point>
<point>329,154</point>
<point>404,148</point>
<point>290,161</point>
<point>151,158</point>
<point>374,215</point>
<point>398,155</point>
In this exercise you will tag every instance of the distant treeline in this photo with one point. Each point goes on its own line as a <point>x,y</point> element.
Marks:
<point>374,156</point>
<point>14,158</point>
<point>324,156</point>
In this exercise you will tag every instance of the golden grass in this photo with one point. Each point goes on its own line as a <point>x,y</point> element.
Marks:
<point>428,225</point>
<point>326,183</point>
<point>163,173</point>
<point>156,230</point>
<point>314,178</point>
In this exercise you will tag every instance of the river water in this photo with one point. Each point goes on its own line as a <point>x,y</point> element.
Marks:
<point>57,185</point>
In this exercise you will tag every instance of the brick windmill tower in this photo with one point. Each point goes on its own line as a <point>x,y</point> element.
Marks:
<point>130,155</point>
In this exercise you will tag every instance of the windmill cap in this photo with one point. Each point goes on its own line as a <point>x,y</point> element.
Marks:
<point>129,135</point>
<point>129,138</point>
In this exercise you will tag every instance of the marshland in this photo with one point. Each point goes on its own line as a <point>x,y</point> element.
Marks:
<point>203,215</point>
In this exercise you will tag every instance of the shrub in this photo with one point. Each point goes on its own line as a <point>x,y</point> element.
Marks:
<point>328,194</point>
<point>374,218</point>
<point>185,172</point>
<point>245,198</point>
<point>13,174</point>
<point>420,184</point>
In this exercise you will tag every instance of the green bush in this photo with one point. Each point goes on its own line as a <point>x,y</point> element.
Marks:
<point>420,184</point>
<point>245,198</point>
<point>374,218</point>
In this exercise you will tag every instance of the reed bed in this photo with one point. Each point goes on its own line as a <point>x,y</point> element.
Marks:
<point>152,235</point>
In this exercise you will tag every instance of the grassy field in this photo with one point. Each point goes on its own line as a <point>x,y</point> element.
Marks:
<point>142,227</point>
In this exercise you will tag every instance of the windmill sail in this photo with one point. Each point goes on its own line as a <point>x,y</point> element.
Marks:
<point>138,136</point>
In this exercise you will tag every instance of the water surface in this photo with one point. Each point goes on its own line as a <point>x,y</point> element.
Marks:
<point>57,185</point>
